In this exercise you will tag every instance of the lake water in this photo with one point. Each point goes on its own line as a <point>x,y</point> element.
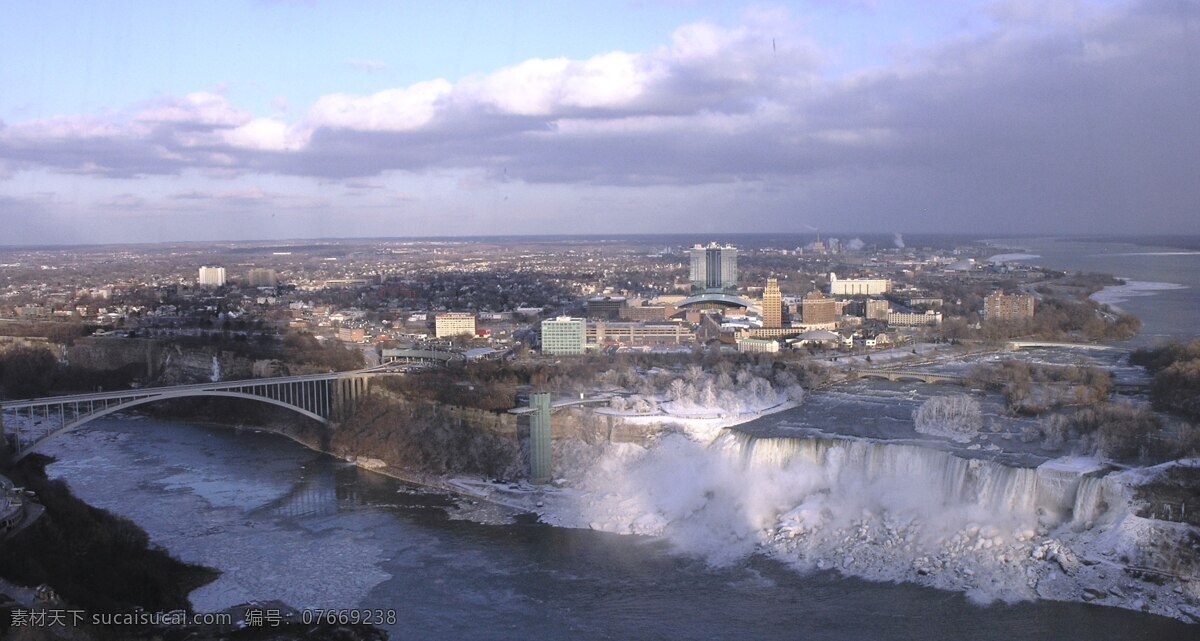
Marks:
<point>1163,283</point>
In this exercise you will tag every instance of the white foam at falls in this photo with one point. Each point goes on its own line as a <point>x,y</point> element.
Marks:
<point>724,500</point>
<point>898,475</point>
<point>1091,499</point>
<point>215,377</point>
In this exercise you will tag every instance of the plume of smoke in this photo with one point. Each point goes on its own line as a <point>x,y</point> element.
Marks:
<point>898,240</point>
<point>855,244</point>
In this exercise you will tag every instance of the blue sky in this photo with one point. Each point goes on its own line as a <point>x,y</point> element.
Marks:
<point>85,57</point>
<point>127,120</point>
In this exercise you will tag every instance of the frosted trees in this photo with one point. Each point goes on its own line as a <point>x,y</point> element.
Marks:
<point>677,390</point>
<point>957,417</point>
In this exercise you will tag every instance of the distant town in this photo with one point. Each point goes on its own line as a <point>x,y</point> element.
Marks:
<point>524,298</point>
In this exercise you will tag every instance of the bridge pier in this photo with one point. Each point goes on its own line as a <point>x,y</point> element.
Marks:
<point>539,438</point>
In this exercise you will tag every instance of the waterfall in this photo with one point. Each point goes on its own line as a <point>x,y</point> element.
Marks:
<point>1056,491</point>
<point>842,500</point>
<point>215,377</point>
<point>1091,500</point>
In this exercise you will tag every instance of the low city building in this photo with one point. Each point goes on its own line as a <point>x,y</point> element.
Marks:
<point>605,333</point>
<point>757,345</point>
<point>914,319</point>
<point>453,324</point>
<point>858,286</point>
<point>648,312</point>
<point>605,307</point>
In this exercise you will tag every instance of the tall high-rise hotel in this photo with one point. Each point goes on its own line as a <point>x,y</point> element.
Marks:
<point>714,267</point>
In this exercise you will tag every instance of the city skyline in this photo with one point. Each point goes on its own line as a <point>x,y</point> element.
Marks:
<point>274,120</point>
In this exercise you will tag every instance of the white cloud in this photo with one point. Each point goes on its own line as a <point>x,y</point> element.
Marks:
<point>199,108</point>
<point>543,87</point>
<point>266,134</point>
<point>65,127</point>
<point>401,109</point>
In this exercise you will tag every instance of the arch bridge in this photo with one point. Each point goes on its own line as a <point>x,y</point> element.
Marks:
<point>325,398</point>
<point>907,375</point>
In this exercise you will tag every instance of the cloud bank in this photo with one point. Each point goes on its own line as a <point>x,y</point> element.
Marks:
<point>1058,118</point>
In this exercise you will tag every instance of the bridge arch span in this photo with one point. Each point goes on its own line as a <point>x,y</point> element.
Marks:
<point>80,421</point>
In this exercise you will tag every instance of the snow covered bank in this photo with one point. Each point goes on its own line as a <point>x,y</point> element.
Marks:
<point>1008,258</point>
<point>1112,295</point>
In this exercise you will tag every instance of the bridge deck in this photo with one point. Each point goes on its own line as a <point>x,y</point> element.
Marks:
<point>321,397</point>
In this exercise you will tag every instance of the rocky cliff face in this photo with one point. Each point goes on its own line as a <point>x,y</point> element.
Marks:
<point>102,354</point>
<point>1171,492</point>
<point>164,365</point>
<point>180,366</point>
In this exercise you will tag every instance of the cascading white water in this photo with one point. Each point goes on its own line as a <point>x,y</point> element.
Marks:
<point>939,477</point>
<point>1091,500</point>
<point>215,377</point>
<point>828,499</point>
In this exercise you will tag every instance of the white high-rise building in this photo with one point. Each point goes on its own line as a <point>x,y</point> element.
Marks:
<point>714,267</point>
<point>212,277</point>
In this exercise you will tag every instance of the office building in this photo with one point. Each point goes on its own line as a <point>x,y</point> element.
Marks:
<point>1007,307</point>
<point>605,333</point>
<point>564,336</point>
<point>262,278</point>
<point>816,309</point>
<point>877,309</point>
<point>212,277</point>
<point>648,312</point>
<point>714,267</point>
<point>453,324</point>
<point>605,307</point>
<point>772,305</point>
<point>858,286</point>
